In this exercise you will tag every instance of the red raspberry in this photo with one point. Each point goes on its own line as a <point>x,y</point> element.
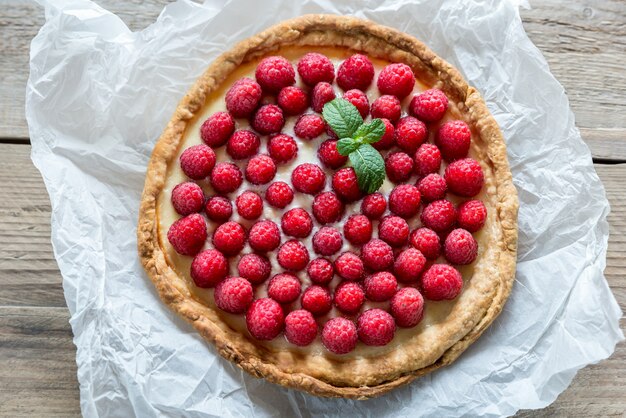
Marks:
<point>279,194</point>
<point>327,208</point>
<point>308,178</point>
<point>226,177</point>
<point>297,222</point>
<point>374,205</point>
<point>396,79</point>
<point>284,288</point>
<point>274,73</point>
<point>309,126</point>
<point>268,119</point>
<point>393,230</point>
<point>293,100</point>
<point>427,159</point>
<point>187,198</point>
<point>218,209</point>
<point>430,105</point>
<point>316,300</point>
<point>349,297</point>
<point>377,255</point>
<point>441,282</point>
<point>265,319</point>
<point>264,236</point>
<point>387,107</point>
<point>472,215</point>
<point>187,235</point>
<point>358,229</point>
<point>208,268</point>
<point>357,72</point>
<point>216,130</point>
<point>464,177</point>
<point>320,271</point>
<point>439,215</point>
<point>300,327</point>
<point>376,327</point>
<point>432,187</point>
<point>233,295</point>
<point>410,133</point>
<point>349,266</point>
<point>197,161</point>
<point>249,205</point>
<point>453,139</point>
<point>282,148</point>
<point>407,307</point>
<point>254,268</point>
<point>327,241</point>
<point>404,200</point>
<point>387,140</point>
<point>339,335</point>
<point>243,144</point>
<point>315,68</point>
<point>331,134</point>
<point>409,265</point>
<point>427,242</point>
<point>345,185</point>
<point>322,93</point>
<point>399,167</point>
<point>380,286</point>
<point>359,100</point>
<point>460,247</point>
<point>293,255</point>
<point>243,97</point>
<point>329,156</point>
<point>261,169</point>
<point>229,238</point>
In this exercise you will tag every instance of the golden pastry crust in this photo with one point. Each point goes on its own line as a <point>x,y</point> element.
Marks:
<point>354,377</point>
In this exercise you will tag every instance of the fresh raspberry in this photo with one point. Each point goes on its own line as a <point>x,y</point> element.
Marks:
<point>329,156</point>
<point>208,268</point>
<point>387,107</point>
<point>427,159</point>
<point>226,177</point>
<point>427,242</point>
<point>309,126</point>
<point>377,255</point>
<point>399,167</point>
<point>453,139</point>
<point>407,307</point>
<point>396,79</point>
<point>317,300</point>
<point>243,144</point>
<point>293,255</point>
<point>322,93</point>
<point>300,327</point>
<point>358,229</point>
<point>265,319</point>
<point>410,133</point>
<point>409,265</point>
<point>274,73</point>
<point>293,100</point>
<point>472,215</point>
<point>349,266</point>
<point>279,194</point>
<point>197,161</point>
<point>268,119</point>
<point>432,187</point>
<point>327,208</point>
<point>441,282</point>
<point>349,297</point>
<point>339,335</point>
<point>229,238</point>
<point>376,327</point>
<point>261,169</point>
<point>429,106</point>
<point>345,185</point>
<point>243,97</point>
<point>216,130</point>
<point>387,140</point>
<point>314,68</point>
<point>460,247</point>
<point>464,177</point>
<point>233,295</point>
<point>320,271</point>
<point>264,236</point>
<point>218,209</point>
<point>374,205</point>
<point>254,268</point>
<point>297,222</point>
<point>393,230</point>
<point>439,215</point>
<point>380,286</point>
<point>308,178</point>
<point>282,148</point>
<point>359,100</point>
<point>357,72</point>
<point>331,134</point>
<point>249,205</point>
<point>404,200</point>
<point>327,241</point>
<point>284,288</point>
<point>187,235</point>
<point>187,198</point>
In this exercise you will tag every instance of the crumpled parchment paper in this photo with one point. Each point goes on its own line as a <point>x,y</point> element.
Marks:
<point>99,96</point>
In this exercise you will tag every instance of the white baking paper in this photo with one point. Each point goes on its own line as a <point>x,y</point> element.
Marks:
<point>97,99</point>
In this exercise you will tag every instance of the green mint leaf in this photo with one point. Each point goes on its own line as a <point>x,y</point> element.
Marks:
<point>342,117</point>
<point>345,146</point>
<point>369,167</point>
<point>370,132</point>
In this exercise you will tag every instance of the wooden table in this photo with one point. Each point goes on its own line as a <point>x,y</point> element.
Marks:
<point>585,43</point>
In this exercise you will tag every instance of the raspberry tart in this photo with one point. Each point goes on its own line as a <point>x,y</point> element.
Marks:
<point>331,206</point>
